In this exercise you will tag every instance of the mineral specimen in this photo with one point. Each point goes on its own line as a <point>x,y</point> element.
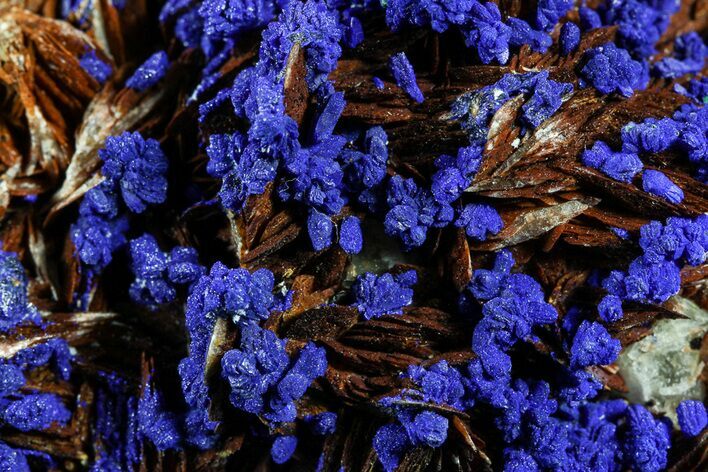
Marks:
<point>412,235</point>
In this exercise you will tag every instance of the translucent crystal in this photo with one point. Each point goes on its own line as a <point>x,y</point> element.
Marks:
<point>663,368</point>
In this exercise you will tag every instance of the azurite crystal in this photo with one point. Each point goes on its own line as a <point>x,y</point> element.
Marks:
<point>593,345</point>
<point>383,295</point>
<point>403,73</point>
<point>611,69</point>
<point>569,37</point>
<point>15,308</point>
<point>324,235</point>
<point>692,417</point>
<point>149,73</point>
<point>138,166</point>
<point>98,69</point>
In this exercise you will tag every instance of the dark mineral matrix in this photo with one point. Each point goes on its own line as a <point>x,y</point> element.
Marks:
<point>353,235</point>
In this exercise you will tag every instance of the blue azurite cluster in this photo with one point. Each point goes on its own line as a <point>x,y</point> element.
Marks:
<point>134,171</point>
<point>236,294</point>
<point>311,167</point>
<point>15,307</point>
<point>689,57</point>
<point>610,69</point>
<point>697,89</point>
<point>23,408</point>
<point>233,294</point>
<point>543,97</point>
<point>569,38</point>
<point>155,422</point>
<point>514,304</point>
<point>622,166</point>
<point>686,133</point>
<point>264,380</point>
<point>149,72</point>
<point>404,75</point>
<point>34,411</point>
<point>157,274</point>
<point>214,28</point>
<point>116,424</point>
<point>480,23</point>
<point>474,111</point>
<point>414,210</point>
<point>692,417</point>
<point>365,170</point>
<point>655,276</point>
<point>97,68</point>
<point>440,384</point>
<point>386,294</point>
<point>228,18</point>
<point>543,425</point>
<point>29,412</point>
<point>622,66</point>
<point>412,429</point>
<point>640,23</point>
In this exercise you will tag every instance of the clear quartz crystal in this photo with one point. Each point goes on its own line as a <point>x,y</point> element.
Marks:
<point>663,369</point>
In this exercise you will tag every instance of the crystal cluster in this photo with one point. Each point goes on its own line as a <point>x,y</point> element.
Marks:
<point>337,235</point>
<point>23,408</point>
